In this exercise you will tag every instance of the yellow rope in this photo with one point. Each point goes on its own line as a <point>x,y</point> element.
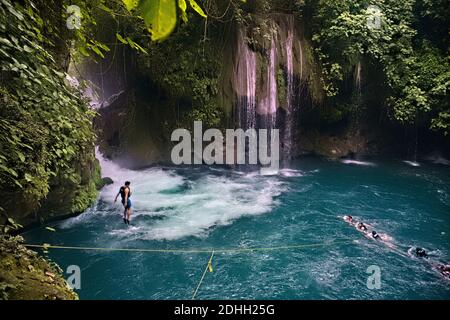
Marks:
<point>232,250</point>
<point>208,266</point>
<point>47,246</point>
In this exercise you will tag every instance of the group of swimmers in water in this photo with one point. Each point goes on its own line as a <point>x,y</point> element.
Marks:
<point>443,268</point>
<point>369,232</point>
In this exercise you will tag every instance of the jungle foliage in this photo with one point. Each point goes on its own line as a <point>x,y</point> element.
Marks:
<point>412,57</point>
<point>46,130</point>
<point>409,48</point>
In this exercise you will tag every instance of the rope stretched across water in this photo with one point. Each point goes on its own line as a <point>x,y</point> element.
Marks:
<point>206,250</point>
<point>47,246</point>
<point>208,266</point>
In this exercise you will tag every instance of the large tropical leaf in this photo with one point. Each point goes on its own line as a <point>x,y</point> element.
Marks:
<point>160,17</point>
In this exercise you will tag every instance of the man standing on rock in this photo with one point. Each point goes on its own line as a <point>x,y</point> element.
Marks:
<point>125,193</point>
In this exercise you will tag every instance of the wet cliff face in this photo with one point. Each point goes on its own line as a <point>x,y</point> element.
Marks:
<point>259,76</point>
<point>263,73</point>
<point>132,130</point>
<point>176,83</point>
<point>268,78</point>
<point>274,77</point>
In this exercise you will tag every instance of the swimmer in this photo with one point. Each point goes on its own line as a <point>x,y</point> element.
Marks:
<point>421,253</point>
<point>361,227</point>
<point>444,269</point>
<point>348,218</point>
<point>375,235</point>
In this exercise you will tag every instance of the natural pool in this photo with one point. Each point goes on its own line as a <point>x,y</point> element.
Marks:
<point>201,207</point>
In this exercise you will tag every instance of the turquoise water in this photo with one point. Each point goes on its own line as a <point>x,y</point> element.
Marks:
<point>192,208</point>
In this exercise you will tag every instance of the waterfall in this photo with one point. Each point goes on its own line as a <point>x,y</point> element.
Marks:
<point>301,58</point>
<point>357,96</point>
<point>358,78</point>
<point>246,84</point>
<point>268,105</point>
<point>289,120</point>
<point>260,100</point>
<point>250,57</point>
<point>272,85</point>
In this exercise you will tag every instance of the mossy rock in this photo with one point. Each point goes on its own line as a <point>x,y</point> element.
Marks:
<point>104,182</point>
<point>24,275</point>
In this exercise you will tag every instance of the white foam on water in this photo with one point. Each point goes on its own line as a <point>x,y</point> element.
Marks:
<point>81,219</point>
<point>438,159</point>
<point>358,163</point>
<point>412,163</point>
<point>269,172</point>
<point>291,173</point>
<point>186,207</point>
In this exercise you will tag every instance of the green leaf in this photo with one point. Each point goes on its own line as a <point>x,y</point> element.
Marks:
<point>102,46</point>
<point>121,39</point>
<point>136,46</point>
<point>9,170</point>
<point>130,4</point>
<point>27,49</point>
<point>21,156</point>
<point>106,9</point>
<point>5,41</point>
<point>197,8</point>
<point>50,229</point>
<point>83,51</point>
<point>97,51</point>
<point>160,17</point>
<point>183,6</point>
<point>17,183</point>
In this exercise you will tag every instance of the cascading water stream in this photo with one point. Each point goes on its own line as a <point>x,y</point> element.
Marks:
<point>301,58</point>
<point>357,86</point>
<point>268,105</point>
<point>288,126</point>
<point>357,92</point>
<point>250,58</point>
<point>258,94</point>
<point>246,84</point>
<point>358,78</point>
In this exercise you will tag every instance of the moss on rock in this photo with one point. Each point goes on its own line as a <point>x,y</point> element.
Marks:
<point>67,197</point>
<point>24,275</point>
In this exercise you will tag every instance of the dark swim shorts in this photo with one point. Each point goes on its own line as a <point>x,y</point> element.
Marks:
<point>128,206</point>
